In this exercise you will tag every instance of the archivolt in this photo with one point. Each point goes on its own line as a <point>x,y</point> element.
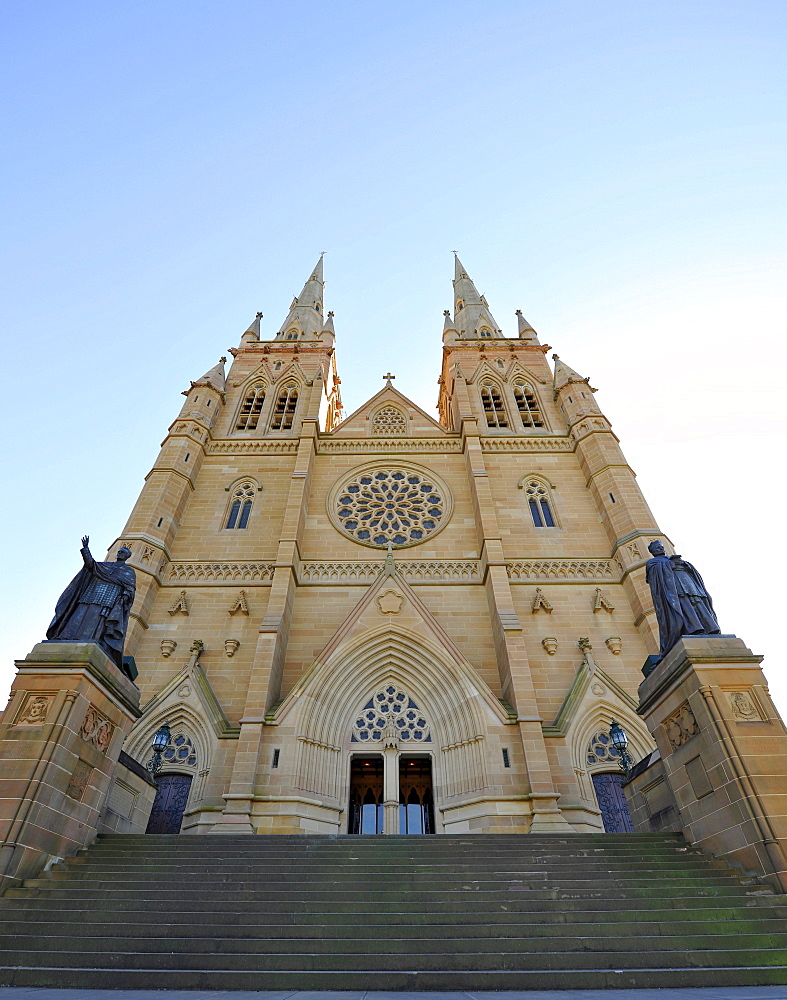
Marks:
<point>338,690</point>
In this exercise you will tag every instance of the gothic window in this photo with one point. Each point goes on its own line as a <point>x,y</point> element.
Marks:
<point>389,420</point>
<point>527,403</point>
<point>240,505</point>
<point>292,335</point>
<point>494,407</point>
<point>485,332</point>
<point>538,501</point>
<point>284,410</point>
<point>391,706</point>
<point>180,752</point>
<point>397,505</point>
<point>251,407</point>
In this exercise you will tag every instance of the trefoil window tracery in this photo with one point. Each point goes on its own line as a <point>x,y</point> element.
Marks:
<point>538,502</point>
<point>240,506</point>
<point>391,705</point>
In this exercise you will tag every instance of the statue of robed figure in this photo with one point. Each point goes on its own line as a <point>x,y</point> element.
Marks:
<point>683,605</point>
<point>95,606</point>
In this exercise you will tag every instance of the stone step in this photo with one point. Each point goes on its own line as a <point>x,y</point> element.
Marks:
<point>323,942</point>
<point>382,961</point>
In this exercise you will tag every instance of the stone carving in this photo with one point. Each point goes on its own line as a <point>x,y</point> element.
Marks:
<point>584,644</point>
<point>180,606</point>
<point>241,605</point>
<point>560,569</point>
<point>444,570</point>
<point>683,605</point>
<point>389,603</point>
<point>540,603</point>
<point>600,602</point>
<point>349,445</point>
<point>523,444</point>
<point>744,707</point>
<point>231,647</point>
<point>614,644</point>
<point>391,711</point>
<point>34,710</point>
<point>389,420</point>
<point>79,780</point>
<point>205,572</point>
<point>95,606</point>
<point>681,726</point>
<point>246,447</point>
<point>168,647</point>
<point>550,645</point>
<point>97,730</point>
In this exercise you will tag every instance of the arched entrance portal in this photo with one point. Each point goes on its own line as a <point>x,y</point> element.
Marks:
<point>411,811</point>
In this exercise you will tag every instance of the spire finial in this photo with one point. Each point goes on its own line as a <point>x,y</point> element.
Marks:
<point>389,376</point>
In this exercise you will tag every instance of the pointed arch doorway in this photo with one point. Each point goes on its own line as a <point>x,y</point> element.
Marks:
<point>391,793</point>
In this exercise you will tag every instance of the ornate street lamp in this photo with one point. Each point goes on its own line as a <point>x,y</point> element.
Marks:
<point>620,742</point>
<point>160,744</point>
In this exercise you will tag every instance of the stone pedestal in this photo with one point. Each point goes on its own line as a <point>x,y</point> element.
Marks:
<point>723,747</point>
<point>60,740</point>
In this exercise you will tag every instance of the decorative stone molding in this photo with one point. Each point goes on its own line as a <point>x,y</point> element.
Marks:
<point>584,644</point>
<point>560,569</point>
<point>422,571</point>
<point>180,606</point>
<point>602,603</point>
<point>540,603</point>
<point>550,645</point>
<point>34,710</point>
<point>241,605</point>
<point>216,572</point>
<point>231,647</point>
<point>273,446</point>
<point>80,779</point>
<point>515,444</point>
<point>97,730</point>
<point>168,647</point>
<point>614,644</point>
<point>389,603</point>
<point>373,445</point>
<point>681,726</point>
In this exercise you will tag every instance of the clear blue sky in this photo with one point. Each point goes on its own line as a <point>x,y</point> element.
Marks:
<point>614,169</point>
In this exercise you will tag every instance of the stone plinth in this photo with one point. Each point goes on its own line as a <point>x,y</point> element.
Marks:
<point>723,747</point>
<point>60,739</point>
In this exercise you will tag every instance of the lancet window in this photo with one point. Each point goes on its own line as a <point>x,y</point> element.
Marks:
<point>538,502</point>
<point>251,407</point>
<point>240,505</point>
<point>284,410</point>
<point>485,332</point>
<point>494,407</point>
<point>527,403</point>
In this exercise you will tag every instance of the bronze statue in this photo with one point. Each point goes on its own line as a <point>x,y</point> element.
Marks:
<point>683,605</point>
<point>95,606</point>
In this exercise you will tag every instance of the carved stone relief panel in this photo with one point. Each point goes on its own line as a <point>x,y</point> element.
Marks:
<point>34,710</point>
<point>744,706</point>
<point>681,726</point>
<point>97,730</point>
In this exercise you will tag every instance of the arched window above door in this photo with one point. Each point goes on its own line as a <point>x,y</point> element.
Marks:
<point>391,705</point>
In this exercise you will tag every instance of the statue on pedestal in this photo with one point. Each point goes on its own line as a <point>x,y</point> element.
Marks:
<point>683,605</point>
<point>95,606</point>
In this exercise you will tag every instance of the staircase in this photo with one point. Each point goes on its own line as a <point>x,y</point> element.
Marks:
<point>392,913</point>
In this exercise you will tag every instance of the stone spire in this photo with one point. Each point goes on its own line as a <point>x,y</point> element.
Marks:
<point>471,312</point>
<point>214,378</point>
<point>526,331</point>
<point>449,330</point>
<point>306,312</point>
<point>328,334</point>
<point>564,374</point>
<point>252,333</point>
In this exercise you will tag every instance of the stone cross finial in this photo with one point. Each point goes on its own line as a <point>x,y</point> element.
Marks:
<point>389,376</point>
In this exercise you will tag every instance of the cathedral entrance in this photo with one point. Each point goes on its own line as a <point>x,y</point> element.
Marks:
<point>612,802</point>
<point>416,804</point>
<point>366,795</point>
<point>169,804</point>
<point>410,812</point>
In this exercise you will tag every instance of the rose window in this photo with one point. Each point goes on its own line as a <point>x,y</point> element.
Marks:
<point>394,706</point>
<point>401,506</point>
<point>181,751</point>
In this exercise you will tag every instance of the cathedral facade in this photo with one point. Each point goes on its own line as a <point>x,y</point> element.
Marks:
<point>383,622</point>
